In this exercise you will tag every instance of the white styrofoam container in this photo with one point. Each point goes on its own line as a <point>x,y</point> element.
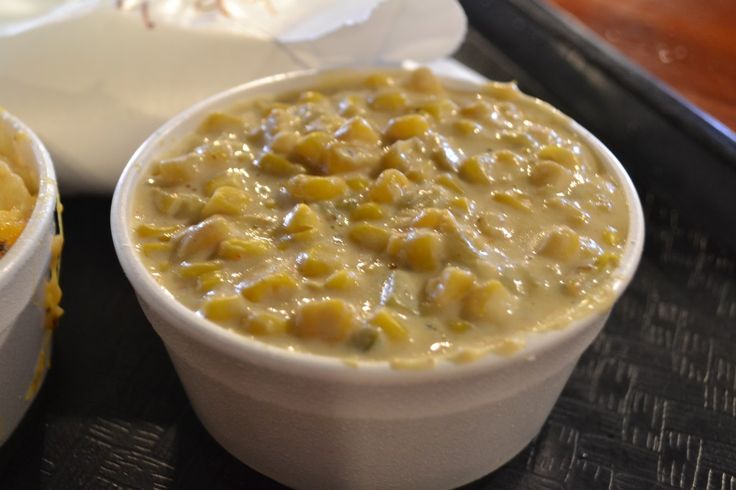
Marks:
<point>24,342</point>
<point>313,422</point>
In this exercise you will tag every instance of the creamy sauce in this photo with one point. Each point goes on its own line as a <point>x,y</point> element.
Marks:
<point>18,187</point>
<point>384,218</point>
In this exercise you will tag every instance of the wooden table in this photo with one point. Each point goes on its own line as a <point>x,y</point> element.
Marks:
<point>689,44</point>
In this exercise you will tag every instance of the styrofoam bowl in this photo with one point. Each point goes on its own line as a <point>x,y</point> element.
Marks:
<point>310,421</point>
<point>24,342</point>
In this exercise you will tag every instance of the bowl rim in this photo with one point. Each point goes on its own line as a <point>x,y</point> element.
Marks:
<point>44,207</point>
<point>240,347</point>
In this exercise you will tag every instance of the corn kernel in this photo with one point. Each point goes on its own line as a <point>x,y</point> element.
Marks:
<point>502,90</point>
<point>275,164</point>
<point>490,301</point>
<point>611,236</point>
<point>265,323</point>
<point>344,157</point>
<point>226,200</point>
<point>369,236</point>
<point>316,188</point>
<point>478,109</point>
<point>460,326</point>
<point>423,80</point>
<point>450,286</point>
<point>389,186</point>
<point>424,250</point>
<point>466,127</point>
<point>440,110</point>
<point>174,171</point>
<point>451,182</point>
<point>461,205</point>
<point>153,248</point>
<point>388,323</point>
<point>358,130</point>
<point>163,233</point>
<point>220,122</point>
<point>284,142</point>
<point>559,154</point>
<point>561,243</point>
<point>196,269</point>
<point>405,127</point>
<point>606,260</point>
<point>389,100</point>
<point>311,264</point>
<point>278,285</point>
<point>367,211</point>
<point>379,80</point>
<point>514,199</point>
<point>474,169</point>
<point>209,281</point>
<point>358,182</point>
<point>341,280</point>
<point>547,172</point>
<point>223,309</point>
<point>328,319</point>
<point>433,218</point>
<point>239,248</point>
<point>301,218</point>
<point>311,148</point>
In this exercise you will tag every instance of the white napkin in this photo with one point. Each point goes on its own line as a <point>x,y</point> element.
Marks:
<point>94,78</point>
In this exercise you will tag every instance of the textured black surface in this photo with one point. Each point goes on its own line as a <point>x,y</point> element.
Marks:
<point>652,404</point>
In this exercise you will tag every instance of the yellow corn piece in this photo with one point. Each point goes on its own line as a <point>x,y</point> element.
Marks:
<point>241,248</point>
<point>153,248</point>
<point>460,326</point>
<point>461,205</point>
<point>209,281</point>
<point>478,109</point>
<point>606,260</point>
<point>611,236</point>
<point>203,238</point>
<point>502,90</point>
<point>232,177</point>
<point>369,236</point>
<point>265,323</point>
<point>389,100</point>
<point>433,218</point>
<point>490,301</point>
<point>367,211</point>
<point>440,109</point>
<point>226,200</point>
<point>466,127</point>
<point>514,199</point>
<point>341,280</point>
<point>357,182</point>
<point>389,186</point>
<point>174,171</point>
<point>221,122</point>
<point>560,243</point>
<point>474,169</point>
<point>424,250</point>
<point>423,80</point>
<point>303,236</point>
<point>196,269</point>
<point>314,264</point>
<point>344,157</point>
<point>312,96</point>
<point>284,142</point>
<point>301,218</point>
<point>451,182</point>
<point>181,205</point>
<point>395,245</point>
<point>278,285</point>
<point>559,154</point>
<point>316,188</point>
<point>328,319</point>
<point>450,286</point>
<point>393,329</point>
<point>163,233</point>
<point>379,80</point>
<point>311,148</point>
<point>225,309</point>
<point>275,164</point>
<point>358,130</point>
<point>405,127</point>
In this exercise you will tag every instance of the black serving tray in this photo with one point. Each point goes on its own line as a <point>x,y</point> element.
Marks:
<point>651,404</point>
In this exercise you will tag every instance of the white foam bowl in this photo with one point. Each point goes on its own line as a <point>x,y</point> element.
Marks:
<point>24,343</point>
<point>313,422</point>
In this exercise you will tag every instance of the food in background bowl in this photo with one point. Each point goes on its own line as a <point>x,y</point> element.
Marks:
<point>29,260</point>
<point>384,217</point>
<point>324,219</point>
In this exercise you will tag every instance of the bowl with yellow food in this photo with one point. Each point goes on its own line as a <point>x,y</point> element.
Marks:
<point>375,278</point>
<point>29,291</point>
